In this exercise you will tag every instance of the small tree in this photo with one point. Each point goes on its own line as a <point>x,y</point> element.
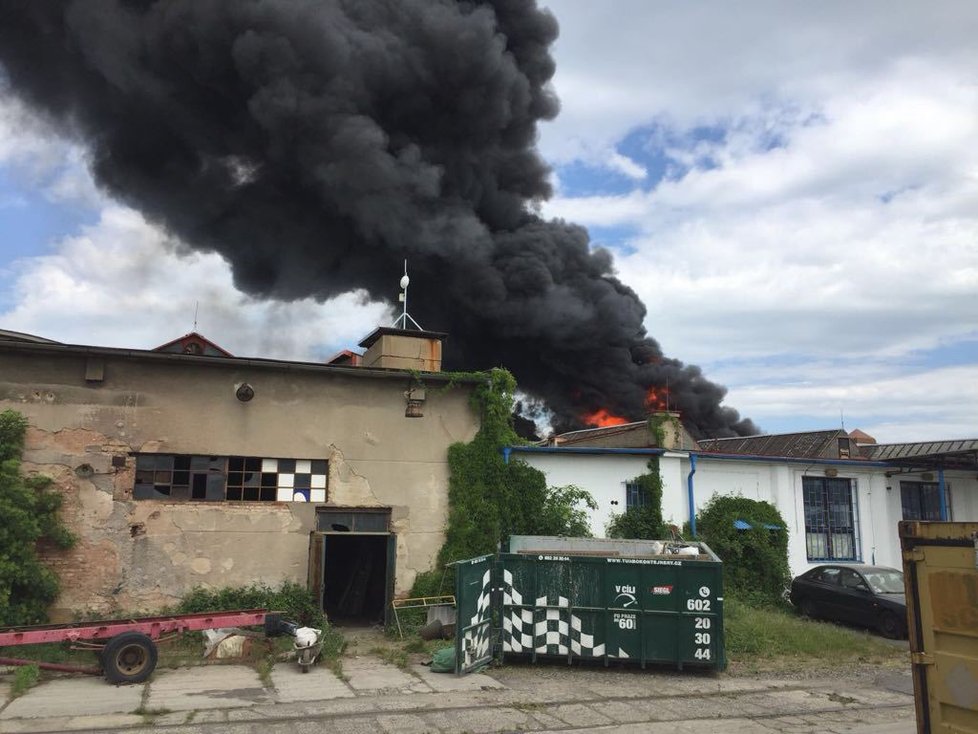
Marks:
<point>28,513</point>
<point>565,512</point>
<point>755,560</point>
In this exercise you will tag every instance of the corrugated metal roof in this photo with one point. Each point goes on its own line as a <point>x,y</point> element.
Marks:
<point>20,336</point>
<point>587,433</point>
<point>806,445</point>
<point>884,452</point>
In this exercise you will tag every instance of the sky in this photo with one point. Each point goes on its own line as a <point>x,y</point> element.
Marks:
<point>791,189</point>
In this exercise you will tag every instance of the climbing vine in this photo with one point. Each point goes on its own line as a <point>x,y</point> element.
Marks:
<point>644,521</point>
<point>490,499</point>
<point>28,514</point>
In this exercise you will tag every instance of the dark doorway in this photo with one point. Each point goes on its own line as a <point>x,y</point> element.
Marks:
<point>355,577</point>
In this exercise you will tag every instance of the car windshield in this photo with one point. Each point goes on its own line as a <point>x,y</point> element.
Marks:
<point>885,582</point>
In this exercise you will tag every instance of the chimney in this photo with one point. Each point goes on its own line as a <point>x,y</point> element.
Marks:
<point>403,349</point>
<point>672,435</point>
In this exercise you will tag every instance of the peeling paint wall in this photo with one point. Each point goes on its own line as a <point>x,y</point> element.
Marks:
<point>141,554</point>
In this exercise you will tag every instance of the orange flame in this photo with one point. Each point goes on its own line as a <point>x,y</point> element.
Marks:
<point>601,418</point>
<point>657,399</point>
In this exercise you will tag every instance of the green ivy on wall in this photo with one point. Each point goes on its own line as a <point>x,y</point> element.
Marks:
<point>28,514</point>
<point>490,499</point>
<point>644,521</point>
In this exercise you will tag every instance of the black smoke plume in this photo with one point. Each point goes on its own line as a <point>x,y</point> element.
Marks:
<point>315,144</point>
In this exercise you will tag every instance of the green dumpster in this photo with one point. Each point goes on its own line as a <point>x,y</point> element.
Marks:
<point>640,601</point>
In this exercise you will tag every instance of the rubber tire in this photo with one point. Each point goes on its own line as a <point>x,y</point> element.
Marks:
<point>890,626</point>
<point>807,608</point>
<point>129,658</point>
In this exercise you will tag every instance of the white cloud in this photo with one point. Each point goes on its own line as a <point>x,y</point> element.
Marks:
<point>622,66</point>
<point>819,245</point>
<point>120,282</point>
<point>625,165</point>
<point>932,404</point>
<point>827,226</point>
<point>27,141</point>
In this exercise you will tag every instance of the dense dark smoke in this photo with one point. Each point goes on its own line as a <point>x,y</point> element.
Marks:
<point>317,143</point>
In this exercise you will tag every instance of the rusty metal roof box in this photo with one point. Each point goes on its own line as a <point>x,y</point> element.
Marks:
<point>403,349</point>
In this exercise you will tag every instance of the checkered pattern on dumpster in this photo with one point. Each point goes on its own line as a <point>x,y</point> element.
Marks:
<point>545,627</point>
<point>476,642</point>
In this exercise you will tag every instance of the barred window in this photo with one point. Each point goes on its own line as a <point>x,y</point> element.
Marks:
<point>635,495</point>
<point>830,519</point>
<point>231,478</point>
<point>922,501</point>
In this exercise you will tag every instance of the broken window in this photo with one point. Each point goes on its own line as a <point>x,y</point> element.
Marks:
<point>353,521</point>
<point>234,478</point>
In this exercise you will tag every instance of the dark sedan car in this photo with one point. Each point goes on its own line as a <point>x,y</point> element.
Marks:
<point>871,596</point>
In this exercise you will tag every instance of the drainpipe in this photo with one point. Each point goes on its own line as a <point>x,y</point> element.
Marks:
<point>689,494</point>
<point>942,493</point>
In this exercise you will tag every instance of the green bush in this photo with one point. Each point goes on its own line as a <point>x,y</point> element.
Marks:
<point>25,678</point>
<point>563,513</point>
<point>295,601</point>
<point>755,561</point>
<point>28,514</point>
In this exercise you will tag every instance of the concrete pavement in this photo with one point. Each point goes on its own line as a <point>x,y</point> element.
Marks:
<point>373,696</point>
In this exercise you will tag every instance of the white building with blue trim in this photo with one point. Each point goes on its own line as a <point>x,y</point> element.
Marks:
<point>840,495</point>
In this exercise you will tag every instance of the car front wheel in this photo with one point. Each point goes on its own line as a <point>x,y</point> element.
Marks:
<point>890,625</point>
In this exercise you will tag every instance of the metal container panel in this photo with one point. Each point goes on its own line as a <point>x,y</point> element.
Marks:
<point>596,546</point>
<point>940,561</point>
<point>664,610</point>
<point>473,601</point>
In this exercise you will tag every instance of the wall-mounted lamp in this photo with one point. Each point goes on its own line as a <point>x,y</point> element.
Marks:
<point>415,397</point>
<point>245,392</point>
<point>831,472</point>
<point>889,488</point>
<point>927,477</point>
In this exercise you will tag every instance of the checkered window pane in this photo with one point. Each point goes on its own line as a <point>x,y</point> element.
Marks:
<point>232,478</point>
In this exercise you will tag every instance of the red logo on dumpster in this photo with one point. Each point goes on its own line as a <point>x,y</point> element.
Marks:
<point>661,590</point>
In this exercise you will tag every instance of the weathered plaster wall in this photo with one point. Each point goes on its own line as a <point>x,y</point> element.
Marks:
<point>142,554</point>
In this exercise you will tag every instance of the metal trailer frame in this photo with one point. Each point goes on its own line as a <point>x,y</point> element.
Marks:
<point>126,648</point>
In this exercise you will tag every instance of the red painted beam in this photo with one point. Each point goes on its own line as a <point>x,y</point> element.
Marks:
<point>153,627</point>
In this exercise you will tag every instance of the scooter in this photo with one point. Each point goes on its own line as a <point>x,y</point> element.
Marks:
<point>307,647</point>
<point>307,642</point>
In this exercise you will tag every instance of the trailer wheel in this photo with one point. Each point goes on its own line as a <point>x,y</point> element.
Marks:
<point>129,658</point>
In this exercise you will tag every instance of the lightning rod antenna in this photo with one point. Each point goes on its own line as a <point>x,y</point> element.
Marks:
<point>405,317</point>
